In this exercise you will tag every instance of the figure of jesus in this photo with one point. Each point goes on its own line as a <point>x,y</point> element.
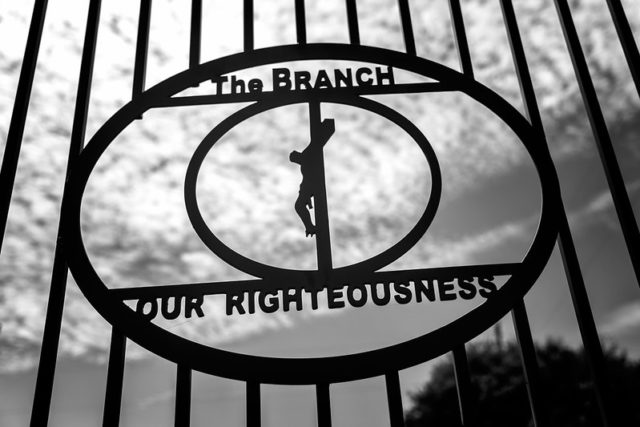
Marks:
<point>307,162</point>
<point>303,202</point>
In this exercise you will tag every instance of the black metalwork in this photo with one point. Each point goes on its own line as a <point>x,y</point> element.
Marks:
<point>322,372</point>
<point>459,353</point>
<point>195,39</point>
<point>460,33</point>
<point>19,114</point>
<point>323,399</point>
<point>183,396</point>
<point>612,171</point>
<point>253,404</point>
<point>537,401</point>
<point>301,22</point>
<point>53,321</point>
<point>407,27</point>
<point>310,371</point>
<point>628,42</point>
<point>466,397</point>
<point>519,313</point>
<point>586,322</point>
<point>273,276</point>
<point>142,48</point>
<point>115,377</point>
<point>394,398</point>
<point>352,21</point>
<point>248,25</point>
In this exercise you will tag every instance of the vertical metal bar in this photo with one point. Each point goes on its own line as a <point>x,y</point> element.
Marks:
<point>142,48</point>
<point>248,25</point>
<point>627,40</point>
<point>19,115</point>
<point>323,236</point>
<point>586,323</point>
<point>53,320</point>
<point>115,375</point>
<point>352,20</point>
<point>460,362</point>
<point>522,68</point>
<point>196,33</point>
<point>301,22</point>
<point>407,27</point>
<point>463,385</point>
<point>530,365</point>
<point>603,139</point>
<point>539,411</point>
<point>253,404</point>
<point>394,398</point>
<point>461,37</point>
<point>323,400</point>
<point>183,397</point>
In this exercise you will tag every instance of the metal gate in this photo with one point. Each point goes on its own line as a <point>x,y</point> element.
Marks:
<point>113,395</point>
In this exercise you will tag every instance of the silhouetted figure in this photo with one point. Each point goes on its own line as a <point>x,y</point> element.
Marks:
<point>307,161</point>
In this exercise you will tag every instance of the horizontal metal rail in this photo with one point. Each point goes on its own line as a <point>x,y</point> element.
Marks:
<point>183,101</point>
<point>216,288</point>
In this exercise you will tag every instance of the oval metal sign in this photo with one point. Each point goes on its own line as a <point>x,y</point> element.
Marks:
<point>274,288</point>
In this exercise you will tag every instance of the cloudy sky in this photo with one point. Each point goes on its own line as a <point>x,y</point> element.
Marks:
<point>137,232</point>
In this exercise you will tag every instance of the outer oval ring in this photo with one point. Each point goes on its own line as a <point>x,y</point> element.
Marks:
<point>258,269</point>
<point>323,369</point>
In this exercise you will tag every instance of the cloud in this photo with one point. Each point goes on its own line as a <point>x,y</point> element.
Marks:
<point>466,249</point>
<point>601,208</point>
<point>158,398</point>
<point>623,320</point>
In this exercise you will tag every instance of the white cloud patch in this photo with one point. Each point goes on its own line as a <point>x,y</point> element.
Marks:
<point>623,320</point>
<point>601,208</point>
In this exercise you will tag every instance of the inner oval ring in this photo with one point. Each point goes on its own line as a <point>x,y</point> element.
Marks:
<point>269,272</point>
<point>310,370</point>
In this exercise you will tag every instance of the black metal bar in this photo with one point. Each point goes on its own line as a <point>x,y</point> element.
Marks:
<point>352,20</point>
<point>53,320</point>
<point>225,98</point>
<point>457,21</point>
<point>522,69</point>
<point>19,115</point>
<point>142,48</point>
<point>183,396</point>
<point>394,398</point>
<point>248,25</point>
<point>629,46</point>
<point>586,323</point>
<point>115,376</point>
<point>196,33</point>
<point>463,384</point>
<point>460,362</point>
<point>253,404</point>
<point>321,210</point>
<point>603,139</point>
<point>537,402</point>
<point>323,399</point>
<point>407,27</point>
<point>301,22</point>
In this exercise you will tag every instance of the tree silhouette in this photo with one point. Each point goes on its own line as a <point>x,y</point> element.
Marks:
<point>501,396</point>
